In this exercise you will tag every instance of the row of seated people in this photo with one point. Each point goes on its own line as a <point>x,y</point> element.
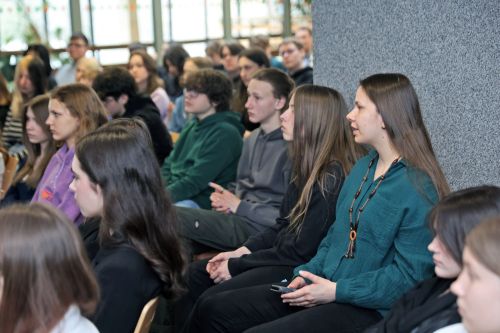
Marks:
<point>47,283</point>
<point>31,81</point>
<point>164,83</point>
<point>323,152</point>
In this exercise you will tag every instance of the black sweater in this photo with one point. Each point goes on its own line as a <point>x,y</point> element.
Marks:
<point>146,110</point>
<point>277,245</point>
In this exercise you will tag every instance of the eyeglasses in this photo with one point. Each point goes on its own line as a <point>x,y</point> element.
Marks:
<point>286,52</point>
<point>76,45</point>
<point>190,93</point>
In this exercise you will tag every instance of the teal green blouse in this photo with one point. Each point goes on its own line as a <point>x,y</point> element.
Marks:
<point>391,247</point>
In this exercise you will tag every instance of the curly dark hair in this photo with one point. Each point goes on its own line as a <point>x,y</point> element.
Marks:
<point>114,82</point>
<point>212,83</point>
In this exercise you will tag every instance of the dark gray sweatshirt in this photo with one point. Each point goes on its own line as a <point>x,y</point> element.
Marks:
<point>263,177</point>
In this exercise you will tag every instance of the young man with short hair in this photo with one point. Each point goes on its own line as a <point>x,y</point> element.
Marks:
<point>209,146</point>
<point>77,47</point>
<point>253,204</point>
<point>118,91</point>
<point>292,52</point>
<point>305,37</point>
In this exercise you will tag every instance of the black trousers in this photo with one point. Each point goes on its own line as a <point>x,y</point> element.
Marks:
<point>214,230</point>
<point>200,287</point>
<point>257,309</point>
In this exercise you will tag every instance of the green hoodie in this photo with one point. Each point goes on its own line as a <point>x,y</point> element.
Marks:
<point>206,151</point>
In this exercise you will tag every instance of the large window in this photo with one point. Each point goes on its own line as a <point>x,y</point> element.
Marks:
<point>111,25</point>
<point>252,17</point>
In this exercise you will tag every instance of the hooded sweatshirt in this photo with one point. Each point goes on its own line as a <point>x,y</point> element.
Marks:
<point>206,151</point>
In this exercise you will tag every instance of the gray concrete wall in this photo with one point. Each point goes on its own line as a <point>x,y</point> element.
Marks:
<point>450,50</point>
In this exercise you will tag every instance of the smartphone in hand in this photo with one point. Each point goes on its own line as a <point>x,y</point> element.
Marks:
<point>280,289</point>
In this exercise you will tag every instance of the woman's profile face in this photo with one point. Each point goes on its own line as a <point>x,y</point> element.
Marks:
<point>24,83</point>
<point>366,122</point>
<point>287,120</point>
<point>137,69</point>
<point>34,131</point>
<point>229,61</point>
<point>247,68</point>
<point>88,195</point>
<point>63,125</point>
<point>478,296</point>
<point>444,265</point>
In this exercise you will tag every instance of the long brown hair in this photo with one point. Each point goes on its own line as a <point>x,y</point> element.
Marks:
<point>120,159</point>
<point>40,107</point>
<point>321,135</point>
<point>44,267</point>
<point>240,95</point>
<point>397,103</point>
<point>82,103</point>
<point>154,80</point>
<point>483,243</point>
<point>38,78</point>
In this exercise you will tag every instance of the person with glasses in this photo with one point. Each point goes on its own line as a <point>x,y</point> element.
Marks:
<point>253,203</point>
<point>293,54</point>
<point>377,247</point>
<point>118,90</point>
<point>209,146</point>
<point>77,47</point>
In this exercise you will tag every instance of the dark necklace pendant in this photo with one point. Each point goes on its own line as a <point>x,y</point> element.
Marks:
<point>351,248</point>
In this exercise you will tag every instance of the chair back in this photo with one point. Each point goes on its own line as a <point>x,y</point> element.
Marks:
<point>147,315</point>
<point>9,173</point>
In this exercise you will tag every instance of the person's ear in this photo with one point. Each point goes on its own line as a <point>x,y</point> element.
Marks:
<point>123,99</point>
<point>279,104</point>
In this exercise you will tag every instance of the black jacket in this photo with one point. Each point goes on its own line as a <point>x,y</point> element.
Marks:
<point>426,308</point>
<point>277,245</point>
<point>302,76</point>
<point>144,108</point>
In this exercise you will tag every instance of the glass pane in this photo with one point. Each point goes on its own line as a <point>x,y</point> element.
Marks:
<point>21,23</point>
<point>188,19</point>
<point>118,22</point>
<point>85,19</point>
<point>113,56</point>
<point>165,10</point>
<point>301,14</point>
<point>58,23</point>
<point>195,49</point>
<point>252,17</point>
<point>214,17</point>
<point>145,21</point>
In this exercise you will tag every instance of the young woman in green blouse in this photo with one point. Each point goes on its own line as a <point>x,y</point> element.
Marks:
<point>376,249</point>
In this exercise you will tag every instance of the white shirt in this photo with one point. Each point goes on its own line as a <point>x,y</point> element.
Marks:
<point>455,328</point>
<point>74,322</point>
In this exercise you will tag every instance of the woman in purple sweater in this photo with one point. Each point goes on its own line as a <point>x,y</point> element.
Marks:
<point>74,110</point>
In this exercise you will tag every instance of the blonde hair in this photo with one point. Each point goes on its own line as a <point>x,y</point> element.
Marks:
<point>17,97</point>
<point>89,68</point>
